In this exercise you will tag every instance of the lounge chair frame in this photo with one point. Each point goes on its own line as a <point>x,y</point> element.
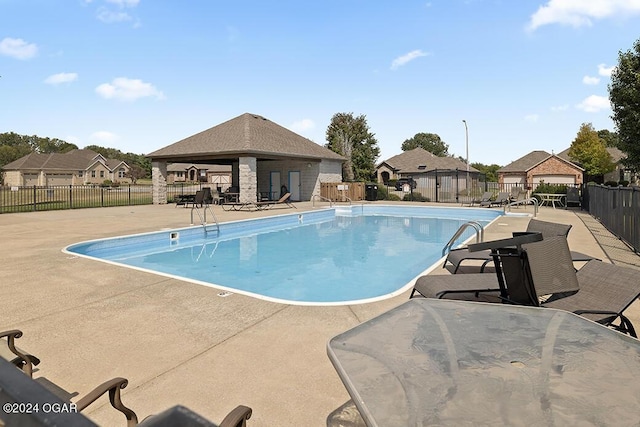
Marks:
<point>455,257</point>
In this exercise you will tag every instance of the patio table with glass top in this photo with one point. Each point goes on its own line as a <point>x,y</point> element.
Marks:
<point>451,363</point>
<point>551,199</point>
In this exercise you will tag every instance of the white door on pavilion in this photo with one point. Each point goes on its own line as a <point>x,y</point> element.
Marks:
<point>274,186</point>
<point>294,185</point>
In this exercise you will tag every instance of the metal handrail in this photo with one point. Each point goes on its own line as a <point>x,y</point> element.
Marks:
<point>524,202</point>
<point>313,200</point>
<point>203,221</point>
<point>473,224</point>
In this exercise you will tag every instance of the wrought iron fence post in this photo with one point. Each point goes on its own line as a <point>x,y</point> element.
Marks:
<point>35,190</point>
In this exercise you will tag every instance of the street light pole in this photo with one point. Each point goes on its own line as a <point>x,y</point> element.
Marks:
<point>466,140</point>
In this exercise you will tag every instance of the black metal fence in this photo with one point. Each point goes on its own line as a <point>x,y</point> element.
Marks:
<point>37,198</point>
<point>618,209</point>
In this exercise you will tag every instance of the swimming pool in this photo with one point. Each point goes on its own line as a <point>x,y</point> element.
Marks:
<point>334,256</point>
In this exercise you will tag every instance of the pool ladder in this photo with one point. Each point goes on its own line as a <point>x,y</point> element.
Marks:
<point>470,224</point>
<point>203,217</point>
<point>531,200</point>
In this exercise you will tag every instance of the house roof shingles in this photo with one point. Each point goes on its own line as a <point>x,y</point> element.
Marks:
<point>526,162</point>
<point>74,159</point>
<point>409,162</point>
<point>247,134</point>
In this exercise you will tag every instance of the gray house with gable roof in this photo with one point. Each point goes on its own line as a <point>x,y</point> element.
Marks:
<point>263,155</point>
<point>439,178</point>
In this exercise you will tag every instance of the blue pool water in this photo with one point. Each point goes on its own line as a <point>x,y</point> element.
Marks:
<point>332,256</point>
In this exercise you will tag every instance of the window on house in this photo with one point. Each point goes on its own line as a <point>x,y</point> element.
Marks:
<point>80,174</point>
<point>93,174</point>
<point>121,173</point>
<point>101,174</point>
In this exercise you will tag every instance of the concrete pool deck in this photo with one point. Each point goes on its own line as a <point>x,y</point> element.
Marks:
<point>178,342</point>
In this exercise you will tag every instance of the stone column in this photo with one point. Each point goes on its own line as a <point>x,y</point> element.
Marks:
<point>248,179</point>
<point>159,182</point>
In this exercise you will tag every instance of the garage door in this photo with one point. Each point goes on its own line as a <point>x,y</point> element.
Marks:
<point>30,179</point>
<point>59,179</point>
<point>554,179</point>
<point>514,179</point>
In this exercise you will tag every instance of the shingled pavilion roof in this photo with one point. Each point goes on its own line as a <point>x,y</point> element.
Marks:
<point>248,135</point>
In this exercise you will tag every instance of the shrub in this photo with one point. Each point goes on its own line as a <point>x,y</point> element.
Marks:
<point>106,183</point>
<point>383,194</point>
<point>551,188</point>
<point>415,197</point>
<point>611,184</point>
<point>393,197</point>
<point>624,183</point>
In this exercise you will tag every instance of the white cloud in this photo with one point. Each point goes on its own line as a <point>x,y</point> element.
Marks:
<point>124,3</point>
<point>533,118</point>
<point>18,48</point>
<point>125,89</point>
<point>603,70</point>
<point>104,136</point>
<point>594,103</point>
<point>59,78</point>
<point>109,17</point>
<point>564,107</point>
<point>578,13</point>
<point>588,80</point>
<point>404,59</point>
<point>303,125</point>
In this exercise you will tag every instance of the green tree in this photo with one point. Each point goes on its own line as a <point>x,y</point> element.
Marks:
<point>429,141</point>
<point>624,94</point>
<point>588,150</point>
<point>135,173</point>
<point>12,147</point>
<point>490,171</point>
<point>50,145</point>
<point>350,137</point>
<point>609,139</point>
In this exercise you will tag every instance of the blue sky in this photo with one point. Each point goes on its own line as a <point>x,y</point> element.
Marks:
<point>138,75</point>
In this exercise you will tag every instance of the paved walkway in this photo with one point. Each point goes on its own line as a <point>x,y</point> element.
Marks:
<point>179,342</point>
<point>617,251</point>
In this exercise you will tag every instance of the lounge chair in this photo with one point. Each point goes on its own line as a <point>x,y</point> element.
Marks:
<point>517,194</point>
<point>22,390</point>
<point>284,200</point>
<point>483,287</point>
<point>541,274</point>
<point>486,197</point>
<point>598,291</point>
<point>455,257</point>
<point>501,199</point>
<point>20,358</point>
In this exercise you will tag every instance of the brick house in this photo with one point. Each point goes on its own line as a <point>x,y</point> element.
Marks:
<point>540,166</point>
<point>263,157</point>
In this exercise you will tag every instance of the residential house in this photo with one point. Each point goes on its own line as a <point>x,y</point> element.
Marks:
<point>538,167</point>
<point>439,178</point>
<point>264,157</point>
<point>76,167</point>
<point>218,175</point>
<point>620,173</point>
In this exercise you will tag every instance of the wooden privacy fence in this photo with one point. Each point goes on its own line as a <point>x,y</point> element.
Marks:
<point>342,191</point>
